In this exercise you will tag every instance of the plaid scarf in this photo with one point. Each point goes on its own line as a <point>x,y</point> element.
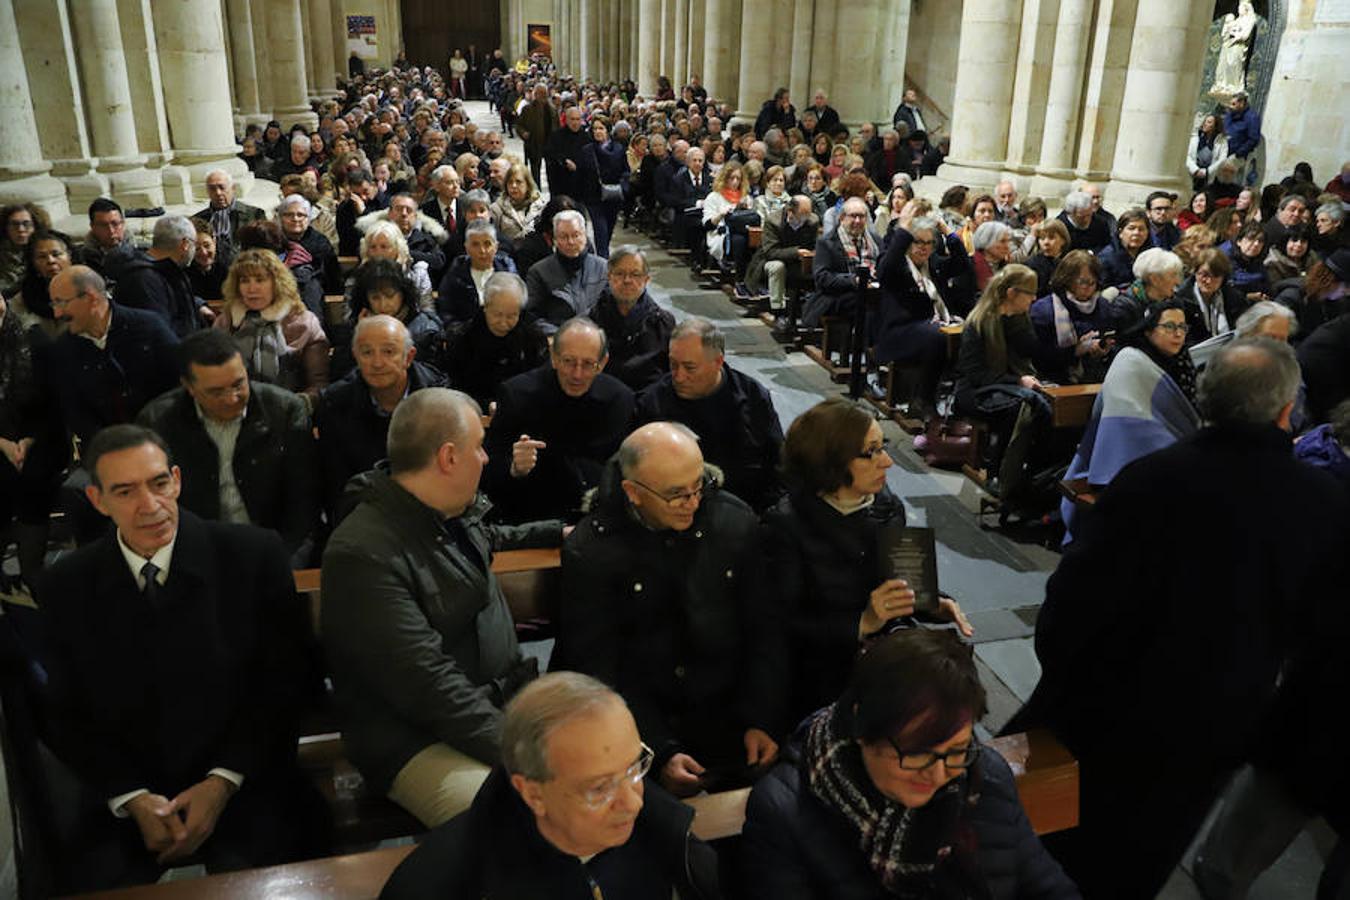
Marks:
<point>915,853</point>
<point>859,250</point>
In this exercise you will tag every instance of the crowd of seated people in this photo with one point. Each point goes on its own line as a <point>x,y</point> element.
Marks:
<point>494,339</point>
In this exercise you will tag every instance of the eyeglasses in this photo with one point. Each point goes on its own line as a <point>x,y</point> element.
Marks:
<point>917,761</point>
<point>628,276</point>
<point>603,795</point>
<point>919,243</point>
<point>876,451</point>
<point>62,302</point>
<point>679,498</point>
<point>586,366</point>
<point>1174,327</point>
<point>1167,208</point>
<point>1085,282</point>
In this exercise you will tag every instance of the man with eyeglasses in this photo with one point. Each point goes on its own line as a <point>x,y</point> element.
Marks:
<point>1162,231</point>
<point>732,413</point>
<point>567,282</point>
<point>660,600</point>
<point>555,427</point>
<point>295,214</point>
<point>247,450</point>
<point>111,361</point>
<point>846,260</point>
<point>568,814</point>
<point>637,329</point>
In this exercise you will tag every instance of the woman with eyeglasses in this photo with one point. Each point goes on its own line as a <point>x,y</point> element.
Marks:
<point>888,793</point>
<point>821,545</point>
<point>18,223</point>
<point>1073,322</point>
<point>996,381</point>
<point>1147,401</point>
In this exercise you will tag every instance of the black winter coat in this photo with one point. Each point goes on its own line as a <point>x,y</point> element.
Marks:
<point>581,433</point>
<point>457,299</point>
<point>1324,357</point>
<point>273,465</point>
<point>797,848</point>
<point>162,287</point>
<point>821,568</point>
<point>639,343</point>
<point>351,433</point>
<point>670,620</point>
<point>904,303</point>
<point>738,430</point>
<point>477,361</point>
<point>494,849</point>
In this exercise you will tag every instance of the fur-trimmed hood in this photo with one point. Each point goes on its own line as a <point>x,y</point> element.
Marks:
<point>424,222</point>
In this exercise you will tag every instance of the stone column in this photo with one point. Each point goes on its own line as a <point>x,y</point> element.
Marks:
<point>614,43</point>
<point>721,49</point>
<point>48,48</point>
<point>107,96</point>
<point>649,46</point>
<point>762,57</point>
<point>340,51</point>
<point>985,66</point>
<point>1107,64</point>
<point>803,38</point>
<point>1157,108</point>
<point>1035,53</point>
<point>262,58</point>
<point>141,55</point>
<point>287,43</point>
<point>1054,173</point>
<point>679,72</point>
<point>24,174</point>
<point>308,55</point>
<point>892,54</point>
<point>320,37</point>
<point>196,93</point>
<point>698,26</point>
<point>590,38</point>
<point>247,108</point>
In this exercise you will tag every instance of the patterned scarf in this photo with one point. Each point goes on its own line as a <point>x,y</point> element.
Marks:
<point>916,853</point>
<point>1065,333</point>
<point>262,344</point>
<point>860,250</point>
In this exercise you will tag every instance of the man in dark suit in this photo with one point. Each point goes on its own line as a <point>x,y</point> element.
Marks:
<point>111,361</point>
<point>178,662</point>
<point>247,449</point>
<point>685,193</point>
<point>563,155</point>
<point>1187,657</point>
<point>555,427</point>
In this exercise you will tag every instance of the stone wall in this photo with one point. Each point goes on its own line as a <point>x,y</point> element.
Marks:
<point>1306,112</point>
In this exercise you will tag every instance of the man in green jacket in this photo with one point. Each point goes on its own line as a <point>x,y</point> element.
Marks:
<point>420,641</point>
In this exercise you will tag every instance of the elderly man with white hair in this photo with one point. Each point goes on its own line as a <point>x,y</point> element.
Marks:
<point>568,282</point>
<point>1086,230</point>
<point>225,213</point>
<point>296,216</point>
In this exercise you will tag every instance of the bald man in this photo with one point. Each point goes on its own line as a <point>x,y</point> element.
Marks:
<point>659,585</point>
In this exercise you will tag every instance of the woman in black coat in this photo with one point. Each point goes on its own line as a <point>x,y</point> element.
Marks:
<point>382,287</point>
<point>821,545</point>
<point>919,293</point>
<point>499,342</point>
<point>888,793</point>
<point>611,164</point>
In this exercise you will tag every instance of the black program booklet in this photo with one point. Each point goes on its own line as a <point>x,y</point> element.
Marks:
<point>911,554</point>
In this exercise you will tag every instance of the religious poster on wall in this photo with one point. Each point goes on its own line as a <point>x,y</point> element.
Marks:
<point>541,39</point>
<point>361,36</point>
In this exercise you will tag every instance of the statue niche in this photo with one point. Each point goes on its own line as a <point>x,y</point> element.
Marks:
<point>1236,35</point>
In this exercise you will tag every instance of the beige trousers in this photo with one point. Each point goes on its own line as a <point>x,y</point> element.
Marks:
<point>438,784</point>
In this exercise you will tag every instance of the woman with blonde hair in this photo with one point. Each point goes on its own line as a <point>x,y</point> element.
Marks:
<point>1195,239</point>
<point>996,380</point>
<point>280,340</point>
<point>384,240</point>
<point>519,204</point>
<point>728,195</point>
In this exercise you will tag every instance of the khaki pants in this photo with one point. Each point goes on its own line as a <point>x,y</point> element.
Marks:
<point>775,272</point>
<point>438,784</point>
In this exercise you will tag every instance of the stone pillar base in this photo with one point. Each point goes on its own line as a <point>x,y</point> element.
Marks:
<point>84,188</point>
<point>1053,185</point>
<point>40,188</point>
<point>177,185</point>
<point>138,187</point>
<point>297,115</point>
<point>979,176</point>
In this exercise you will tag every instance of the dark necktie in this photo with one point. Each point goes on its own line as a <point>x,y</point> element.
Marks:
<point>151,589</point>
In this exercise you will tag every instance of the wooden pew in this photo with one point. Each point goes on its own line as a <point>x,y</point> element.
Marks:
<point>1071,404</point>
<point>334,309</point>
<point>347,263</point>
<point>1047,785</point>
